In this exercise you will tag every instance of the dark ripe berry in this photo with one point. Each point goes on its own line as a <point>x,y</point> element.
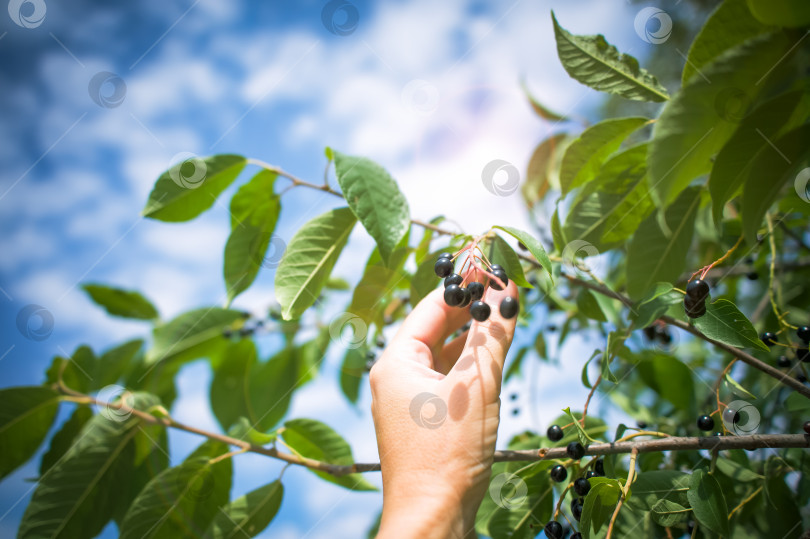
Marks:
<point>591,473</point>
<point>559,473</point>
<point>551,329</point>
<point>599,467</point>
<point>752,275</point>
<point>553,530</point>
<point>576,536</point>
<point>801,378</point>
<point>803,333</point>
<point>650,333</point>
<point>453,295</point>
<point>516,411</point>
<point>466,299</point>
<point>513,396</point>
<point>554,433</point>
<point>227,333</point>
<point>693,308</point>
<point>443,267</point>
<point>806,427</point>
<point>246,332</point>
<point>453,278</point>
<point>705,423</point>
<point>582,486</point>
<point>575,450</point>
<point>500,274</point>
<point>380,342</point>
<point>576,510</point>
<point>641,424</point>
<point>664,337</point>
<point>494,267</point>
<point>698,290</point>
<point>803,355</point>
<point>445,255</point>
<point>783,362</point>
<point>476,290</point>
<point>768,338</point>
<point>371,355</point>
<point>479,310</point>
<point>730,415</point>
<point>509,307</point>
<point>522,247</point>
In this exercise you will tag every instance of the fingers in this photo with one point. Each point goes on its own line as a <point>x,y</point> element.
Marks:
<point>450,353</point>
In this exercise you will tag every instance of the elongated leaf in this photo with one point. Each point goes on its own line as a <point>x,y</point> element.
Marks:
<point>614,204</point>
<point>248,515</point>
<point>64,438</point>
<point>789,13</point>
<point>534,247</point>
<point>588,306</point>
<point>708,503</point>
<point>582,434</point>
<point>667,513</point>
<point>26,417</point>
<point>424,279</point>
<point>699,120</point>
<point>181,501</point>
<point>651,487</point>
<point>598,507</point>
<point>98,476</point>
<point>229,386</point>
<point>542,169</point>
<point>309,259</point>
<point>655,256</point>
<point>724,322</point>
<point>594,62</point>
<point>503,254</point>
<point>737,471</point>
<point>189,188</point>
<point>193,334</point>
<point>270,388</point>
<point>524,502</point>
<point>254,212</point>
<point>120,302</point>
<point>313,439</point>
<point>113,363</point>
<point>351,373</point>
<point>654,304</point>
<point>753,138</point>
<point>671,379</point>
<point>375,199</point>
<point>243,430</point>
<point>517,362</point>
<point>729,25</point>
<point>379,280</point>
<point>778,163</point>
<point>541,110</point>
<point>585,155</point>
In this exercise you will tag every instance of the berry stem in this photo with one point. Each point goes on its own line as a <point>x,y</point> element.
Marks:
<point>588,401</point>
<point>703,271</point>
<point>745,501</point>
<point>630,476</point>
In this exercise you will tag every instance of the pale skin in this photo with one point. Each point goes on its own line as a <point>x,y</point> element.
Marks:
<point>436,410</point>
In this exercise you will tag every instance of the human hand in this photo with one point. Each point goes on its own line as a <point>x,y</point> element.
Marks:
<point>436,412</point>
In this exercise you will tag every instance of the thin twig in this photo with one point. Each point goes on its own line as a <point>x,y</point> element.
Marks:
<point>588,401</point>
<point>630,475</point>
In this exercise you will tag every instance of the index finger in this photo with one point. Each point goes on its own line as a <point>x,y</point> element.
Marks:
<point>431,321</point>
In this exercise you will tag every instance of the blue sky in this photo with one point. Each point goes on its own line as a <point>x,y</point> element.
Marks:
<point>428,89</point>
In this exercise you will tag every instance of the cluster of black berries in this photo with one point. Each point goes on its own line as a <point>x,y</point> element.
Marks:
<point>246,330</point>
<point>658,333</point>
<point>802,353</point>
<point>694,302</point>
<point>457,295</point>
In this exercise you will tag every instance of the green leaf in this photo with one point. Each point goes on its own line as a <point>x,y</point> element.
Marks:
<point>789,13</point>
<point>751,139</point>
<point>585,155</point>
<point>738,389</point>
<point>797,403</point>
<point>594,62</point>
<point>270,388</point>
<point>424,279</point>
<point>667,513</point>
<point>379,280</point>
<point>589,307</point>
<point>557,234</point>
<point>651,487</point>
<point>181,501</point>
<point>26,417</point>
<point>724,322</point>
<point>313,439</point>
<point>540,109</point>
<point>98,477</point>
<point>309,259</point>
<point>254,213</point>
<point>699,120</point>
<point>114,362</point>
<point>729,25</point>
<point>614,204</point>
<point>248,515</point>
<point>517,362</point>
<point>737,471</point>
<point>189,188</point>
<point>375,199</point>
<point>120,302</point>
<point>670,378</point>
<point>525,504</point>
<point>65,437</point>
<point>598,507</point>
<point>243,430</point>
<point>542,168</point>
<point>584,439</point>
<point>657,256</point>
<point>193,334</point>
<point>654,304</point>
<point>584,374</point>
<point>776,163</point>
<point>351,373</point>
<point>503,254</point>
<point>229,385</point>
<point>533,245</point>
<point>708,503</point>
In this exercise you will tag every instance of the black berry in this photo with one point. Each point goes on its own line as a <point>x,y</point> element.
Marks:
<point>246,332</point>
<point>495,267</point>
<point>466,299</point>
<point>803,333</point>
<point>803,355</point>
<point>553,530</point>
<point>509,307</point>
<point>698,290</point>
<point>559,473</point>
<point>768,338</point>
<point>582,486</point>
<point>380,342</point>
<point>576,536</point>
<point>599,467</point>
<point>476,290</point>
<point>591,473</point>
<point>371,355</point>
<point>516,411</point>
<point>453,278</point>
<point>576,509</point>
<point>479,310</point>
<point>227,333</point>
<point>705,423</point>
<point>783,362</point>
<point>752,275</point>
<point>650,333</point>
<point>575,450</point>
<point>443,267</point>
<point>500,274</point>
<point>453,295</point>
<point>554,433</point>
<point>693,308</point>
<point>801,378</point>
<point>445,255</point>
<point>806,427</point>
<point>513,396</point>
<point>730,415</point>
<point>641,424</point>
